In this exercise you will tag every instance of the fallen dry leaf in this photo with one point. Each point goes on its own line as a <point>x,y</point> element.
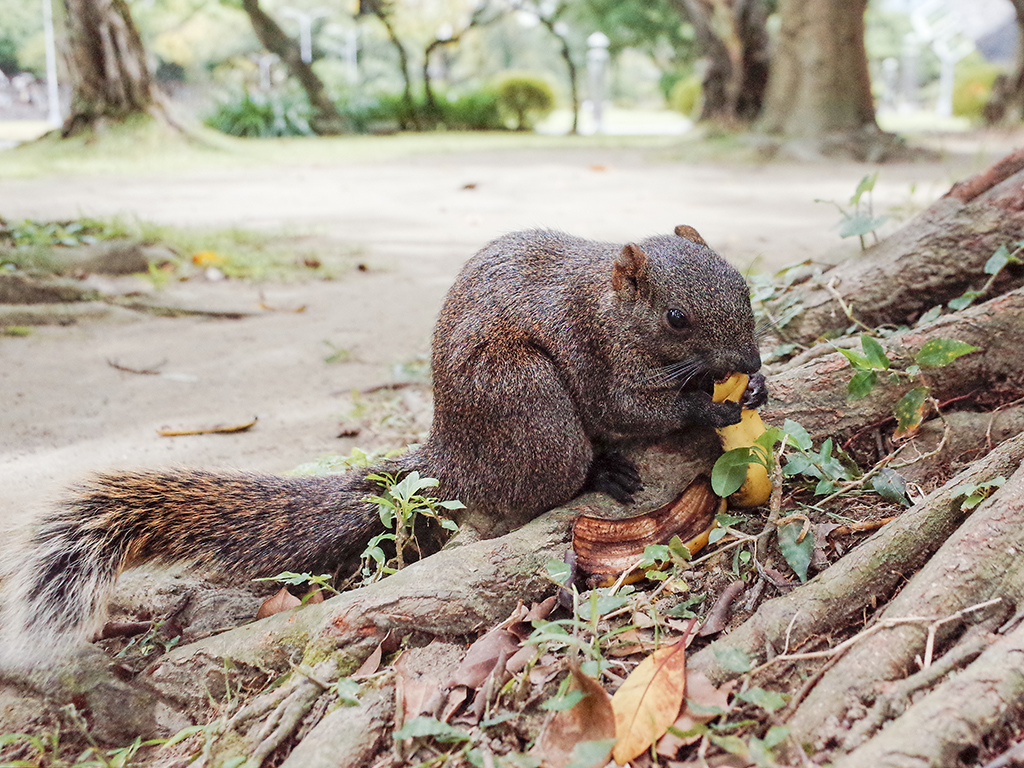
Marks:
<point>372,662</point>
<point>590,720</point>
<point>282,600</point>
<point>718,616</point>
<point>218,429</point>
<point>482,657</point>
<point>704,702</point>
<point>649,701</point>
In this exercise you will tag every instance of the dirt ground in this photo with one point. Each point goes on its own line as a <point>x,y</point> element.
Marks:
<point>67,412</point>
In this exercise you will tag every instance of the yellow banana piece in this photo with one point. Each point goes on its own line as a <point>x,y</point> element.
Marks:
<point>757,488</point>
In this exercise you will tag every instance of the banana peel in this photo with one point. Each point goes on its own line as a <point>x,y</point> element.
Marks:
<point>757,488</point>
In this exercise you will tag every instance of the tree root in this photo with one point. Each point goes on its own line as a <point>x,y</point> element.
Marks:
<point>978,563</point>
<point>865,577</point>
<point>815,394</point>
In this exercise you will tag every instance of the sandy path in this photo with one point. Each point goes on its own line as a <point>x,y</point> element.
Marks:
<point>66,412</point>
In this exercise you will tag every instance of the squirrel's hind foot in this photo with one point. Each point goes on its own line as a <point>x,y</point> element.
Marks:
<point>614,474</point>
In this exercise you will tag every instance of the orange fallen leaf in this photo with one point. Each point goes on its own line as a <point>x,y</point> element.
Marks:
<point>207,259</point>
<point>590,720</point>
<point>217,429</point>
<point>282,600</point>
<point>648,702</point>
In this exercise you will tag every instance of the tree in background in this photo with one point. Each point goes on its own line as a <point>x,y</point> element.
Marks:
<point>1006,105</point>
<point>107,69</point>
<point>325,119</point>
<point>733,39</point>
<point>819,91</point>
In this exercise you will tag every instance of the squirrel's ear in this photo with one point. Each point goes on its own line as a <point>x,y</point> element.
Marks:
<point>629,269</point>
<point>687,232</point>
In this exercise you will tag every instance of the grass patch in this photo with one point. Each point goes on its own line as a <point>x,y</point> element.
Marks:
<point>278,255</point>
<point>143,146</point>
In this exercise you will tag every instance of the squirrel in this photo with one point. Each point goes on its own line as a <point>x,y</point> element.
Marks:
<point>550,350</point>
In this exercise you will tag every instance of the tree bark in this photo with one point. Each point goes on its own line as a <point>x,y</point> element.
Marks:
<point>382,13</point>
<point>1006,103</point>
<point>733,39</point>
<point>933,258</point>
<point>819,91</point>
<point>325,119</point>
<point>549,23</point>
<point>110,80</point>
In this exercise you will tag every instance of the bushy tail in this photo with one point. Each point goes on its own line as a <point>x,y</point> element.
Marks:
<point>55,596</point>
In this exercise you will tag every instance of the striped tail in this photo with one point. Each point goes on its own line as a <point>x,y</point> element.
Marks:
<point>56,593</point>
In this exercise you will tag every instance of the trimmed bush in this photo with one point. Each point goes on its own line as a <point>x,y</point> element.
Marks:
<point>524,99</point>
<point>972,86</point>
<point>685,96</point>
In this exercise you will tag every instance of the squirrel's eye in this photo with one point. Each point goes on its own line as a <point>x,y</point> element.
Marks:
<point>677,319</point>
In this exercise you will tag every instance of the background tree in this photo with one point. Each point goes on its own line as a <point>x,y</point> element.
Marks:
<point>325,118</point>
<point>110,80</point>
<point>819,91</point>
<point>1006,105</point>
<point>733,39</point>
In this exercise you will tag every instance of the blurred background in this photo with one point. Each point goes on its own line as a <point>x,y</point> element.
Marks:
<point>295,67</point>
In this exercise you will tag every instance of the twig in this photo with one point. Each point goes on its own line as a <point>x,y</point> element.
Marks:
<point>848,311</point>
<point>152,371</point>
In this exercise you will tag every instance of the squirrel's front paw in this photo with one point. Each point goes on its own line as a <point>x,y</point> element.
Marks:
<point>614,474</point>
<point>756,393</point>
<point>717,415</point>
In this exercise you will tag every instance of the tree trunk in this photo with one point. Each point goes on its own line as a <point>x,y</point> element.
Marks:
<point>325,120</point>
<point>1006,104</point>
<point>570,65</point>
<point>933,258</point>
<point>378,9</point>
<point>733,39</point>
<point>819,91</point>
<point>107,67</point>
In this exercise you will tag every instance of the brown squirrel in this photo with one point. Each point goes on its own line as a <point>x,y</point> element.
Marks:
<point>548,352</point>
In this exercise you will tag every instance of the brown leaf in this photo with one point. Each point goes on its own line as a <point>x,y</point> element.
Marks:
<point>718,616</point>
<point>630,642</point>
<point>483,656</point>
<point>372,662</point>
<point>218,429</point>
<point>704,702</point>
<point>282,600</point>
<point>649,701</point>
<point>591,719</point>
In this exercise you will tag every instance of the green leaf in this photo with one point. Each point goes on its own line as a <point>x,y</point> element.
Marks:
<point>860,224</point>
<point>428,727</point>
<point>874,352</point>
<point>766,700</point>
<point>909,411</point>
<point>726,520</point>
<point>867,184</point>
<point>730,471</point>
<point>857,361</point>
<point>716,535</point>
<point>861,384</point>
<point>776,735</point>
<point>558,571</point>
<point>562,703</point>
<point>590,753</point>
<point>938,352</point>
<point>891,485</point>
<point>797,553</point>
<point>733,659</point>
<point>929,316</point>
<point>730,743</point>
<point>997,260</point>
<point>964,300</point>
<point>798,436</point>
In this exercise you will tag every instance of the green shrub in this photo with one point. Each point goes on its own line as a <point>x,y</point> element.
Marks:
<point>524,99</point>
<point>972,86</point>
<point>262,115</point>
<point>685,96</point>
<point>472,111</point>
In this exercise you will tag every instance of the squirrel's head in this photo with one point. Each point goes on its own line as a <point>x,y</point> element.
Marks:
<point>686,304</point>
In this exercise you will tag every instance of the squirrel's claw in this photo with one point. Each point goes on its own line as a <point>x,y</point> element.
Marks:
<point>614,474</point>
<point>756,393</point>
